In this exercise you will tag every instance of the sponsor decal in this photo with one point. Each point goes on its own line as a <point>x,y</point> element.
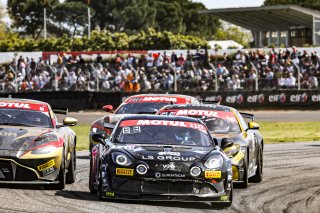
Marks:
<point>235,99</point>
<point>171,158</point>
<point>255,98</point>
<point>159,99</point>
<point>237,158</point>
<point>17,105</point>
<point>160,175</point>
<point>206,113</point>
<point>214,98</point>
<point>299,98</point>
<point>124,172</point>
<point>169,153</point>
<point>315,98</point>
<point>110,194</point>
<point>136,123</point>
<point>48,171</point>
<point>224,198</point>
<point>8,134</point>
<point>169,166</point>
<point>277,98</point>
<point>212,174</point>
<point>46,166</point>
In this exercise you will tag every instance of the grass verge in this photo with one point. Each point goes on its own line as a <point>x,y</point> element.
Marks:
<point>272,132</point>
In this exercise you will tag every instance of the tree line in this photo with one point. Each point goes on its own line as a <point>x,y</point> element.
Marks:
<point>128,16</point>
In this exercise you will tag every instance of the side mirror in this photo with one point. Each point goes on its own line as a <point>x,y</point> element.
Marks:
<point>253,125</point>
<point>226,142</point>
<point>68,121</point>
<point>98,138</point>
<point>107,108</point>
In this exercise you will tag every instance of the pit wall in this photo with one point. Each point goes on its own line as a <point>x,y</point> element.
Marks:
<point>288,99</point>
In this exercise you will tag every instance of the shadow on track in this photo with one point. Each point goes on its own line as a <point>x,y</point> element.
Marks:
<point>82,195</point>
<point>84,157</point>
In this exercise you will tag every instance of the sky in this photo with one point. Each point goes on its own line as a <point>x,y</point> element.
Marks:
<point>212,4</point>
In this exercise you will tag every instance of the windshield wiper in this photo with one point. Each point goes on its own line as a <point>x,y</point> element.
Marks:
<point>16,124</point>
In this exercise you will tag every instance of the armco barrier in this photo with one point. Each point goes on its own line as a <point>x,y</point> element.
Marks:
<point>282,99</point>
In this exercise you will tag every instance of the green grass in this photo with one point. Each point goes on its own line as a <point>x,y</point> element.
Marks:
<point>82,131</point>
<point>277,132</point>
<point>272,132</point>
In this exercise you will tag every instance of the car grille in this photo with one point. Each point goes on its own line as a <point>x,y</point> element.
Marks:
<point>10,171</point>
<point>166,187</point>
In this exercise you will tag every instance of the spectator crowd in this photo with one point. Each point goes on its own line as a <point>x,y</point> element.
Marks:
<point>156,72</point>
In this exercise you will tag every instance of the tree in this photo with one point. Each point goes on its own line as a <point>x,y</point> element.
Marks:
<point>313,4</point>
<point>3,28</point>
<point>28,15</point>
<point>121,15</point>
<point>70,17</point>
<point>232,33</point>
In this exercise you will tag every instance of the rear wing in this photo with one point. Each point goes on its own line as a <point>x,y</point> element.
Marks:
<point>247,115</point>
<point>61,111</point>
<point>216,101</point>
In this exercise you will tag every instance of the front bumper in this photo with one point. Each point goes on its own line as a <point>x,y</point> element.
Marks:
<point>166,189</point>
<point>29,168</point>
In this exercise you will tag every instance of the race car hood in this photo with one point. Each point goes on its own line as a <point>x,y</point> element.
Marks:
<point>167,153</point>
<point>15,138</point>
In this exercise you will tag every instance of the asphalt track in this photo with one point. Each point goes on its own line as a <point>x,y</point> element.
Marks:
<point>290,184</point>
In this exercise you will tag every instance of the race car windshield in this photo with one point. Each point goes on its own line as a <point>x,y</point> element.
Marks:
<point>216,121</point>
<point>186,134</point>
<point>141,108</point>
<point>19,117</point>
<point>222,125</point>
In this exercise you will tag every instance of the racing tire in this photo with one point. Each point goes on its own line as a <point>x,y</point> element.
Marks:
<point>225,204</point>
<point>257,178</point>
<point>245,179</point>
<point>61,177</point>
<point>91,184</point>
<point>71,174</point>
<point>99,191</point>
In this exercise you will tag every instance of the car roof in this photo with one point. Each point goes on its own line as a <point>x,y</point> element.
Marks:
<point>200,106</point>
<point>161,117</point>
<point>162,95</point>
<point>22,100</point>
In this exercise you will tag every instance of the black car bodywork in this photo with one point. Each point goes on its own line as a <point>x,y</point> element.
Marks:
<point>241,141</point>
<point>133,105</point>
<point>158,168</point>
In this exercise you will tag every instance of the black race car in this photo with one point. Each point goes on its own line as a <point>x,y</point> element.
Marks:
<point>133,105</point>
<point>241,141</point>
<point>160,158</point>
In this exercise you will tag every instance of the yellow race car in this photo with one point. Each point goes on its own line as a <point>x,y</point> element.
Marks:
<point>241,141</point>
<point>34,147</point>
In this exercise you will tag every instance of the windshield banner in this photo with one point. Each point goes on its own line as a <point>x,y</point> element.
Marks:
<point>163,123</point>
<point>159,99</point>
<point>25,106</point>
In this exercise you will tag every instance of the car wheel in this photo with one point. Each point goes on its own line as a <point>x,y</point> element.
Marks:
<point>244,183</point>
<point>224,204</point>
<point>100,195</point>
<point>257,178</point>
<point>91,180</point>
<point>71,175</point>
<point>62,175</point>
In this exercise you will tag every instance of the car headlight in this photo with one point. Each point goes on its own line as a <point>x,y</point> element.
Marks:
<point>43,150</point>
<point>43,139</point>
<point>121,159</point>
<point>214,162</point>
<point>232,150</point>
